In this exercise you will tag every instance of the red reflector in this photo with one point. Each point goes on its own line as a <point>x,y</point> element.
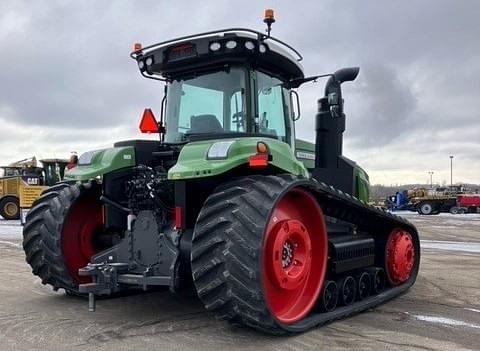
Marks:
<point>148,124</point>
<point>178,217</point>
<point>258,161</point>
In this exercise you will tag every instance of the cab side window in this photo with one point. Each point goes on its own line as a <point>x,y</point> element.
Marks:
<point>237,113</point>
<point>271,111</point>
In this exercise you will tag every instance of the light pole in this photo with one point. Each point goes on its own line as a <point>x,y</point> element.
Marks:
<point>431,179</point>
<point>451,170</point>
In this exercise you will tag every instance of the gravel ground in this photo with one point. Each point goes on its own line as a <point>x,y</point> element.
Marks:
<point>441,311</point>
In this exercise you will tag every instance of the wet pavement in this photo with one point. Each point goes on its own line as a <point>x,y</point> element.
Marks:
<point>440,312</point>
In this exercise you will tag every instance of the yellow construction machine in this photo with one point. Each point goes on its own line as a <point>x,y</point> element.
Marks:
<point>23,182</point>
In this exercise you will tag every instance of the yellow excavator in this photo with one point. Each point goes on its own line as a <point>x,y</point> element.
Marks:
<point>23,182</point>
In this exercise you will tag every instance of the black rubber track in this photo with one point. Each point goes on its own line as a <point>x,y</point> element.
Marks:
<point>228,239</point>
<point>42,234</point>
<point>226,247</point>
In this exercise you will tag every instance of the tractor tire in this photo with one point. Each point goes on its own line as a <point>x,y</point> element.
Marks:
<point>426,208</point>
<point>250,252</point>
<point>10,208</point>
<point>58,227</point>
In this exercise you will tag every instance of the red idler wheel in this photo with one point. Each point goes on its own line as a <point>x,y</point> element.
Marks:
<point>82,223</point>
<point>399,256</point>
<point>294,261</point>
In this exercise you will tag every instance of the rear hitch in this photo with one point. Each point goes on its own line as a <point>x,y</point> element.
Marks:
<point>91,302</point>
<point>104,277</point>
<point>104,280</point>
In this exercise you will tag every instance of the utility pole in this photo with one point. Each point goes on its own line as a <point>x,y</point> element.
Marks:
<point>451,170</point>
<point>431,179</point>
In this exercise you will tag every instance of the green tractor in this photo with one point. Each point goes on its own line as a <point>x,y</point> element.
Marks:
<point>270,232</point>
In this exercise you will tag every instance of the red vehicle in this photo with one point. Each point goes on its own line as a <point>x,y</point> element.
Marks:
<point>466,204</point>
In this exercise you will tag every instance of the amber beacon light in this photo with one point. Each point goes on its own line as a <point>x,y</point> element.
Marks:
<point>269,19</point>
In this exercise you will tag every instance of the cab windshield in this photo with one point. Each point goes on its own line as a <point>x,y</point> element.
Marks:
<point>209,104</point>
<point>11,172</point>
<point>215,103</point>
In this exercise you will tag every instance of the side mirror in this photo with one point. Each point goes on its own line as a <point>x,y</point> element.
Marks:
<point>295,111</point>
<point>148,124</point>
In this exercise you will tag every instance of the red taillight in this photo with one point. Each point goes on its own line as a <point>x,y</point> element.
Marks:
<point>178,218</point>
<point>258,161</point>
<point>148,124</point>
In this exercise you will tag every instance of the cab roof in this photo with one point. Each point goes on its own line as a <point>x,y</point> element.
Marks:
<point>205,51</point>
<point>54,160</point>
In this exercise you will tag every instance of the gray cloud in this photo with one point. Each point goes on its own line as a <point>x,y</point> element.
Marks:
<point>388,104</point>
<point>67,83</point>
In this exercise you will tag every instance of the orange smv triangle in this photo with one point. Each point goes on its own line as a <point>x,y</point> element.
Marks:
<point>148,124</point>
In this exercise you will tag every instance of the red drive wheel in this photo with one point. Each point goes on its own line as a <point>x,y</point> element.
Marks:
<point>400,256</point>
<point>82,223</point>
<point>294,258</point>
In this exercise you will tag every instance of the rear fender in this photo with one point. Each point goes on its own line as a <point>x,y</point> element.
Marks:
<point>93,164</point>
<point>194,161</point>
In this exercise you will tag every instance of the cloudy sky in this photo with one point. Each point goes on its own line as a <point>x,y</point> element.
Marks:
<point>67,82</point>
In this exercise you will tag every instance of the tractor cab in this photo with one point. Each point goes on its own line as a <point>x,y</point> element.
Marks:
<point>30,174</point>
<point>238,82</point>
<point>8,171</point>
<point>224,84</point>
<point>53,170</point>
<point>25,169</point>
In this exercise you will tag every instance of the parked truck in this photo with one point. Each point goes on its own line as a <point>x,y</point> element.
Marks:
<point>454,199</point>
<point>466,203</point>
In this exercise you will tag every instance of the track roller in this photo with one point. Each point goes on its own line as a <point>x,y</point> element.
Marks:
<point>328,296</point>
<point>364,285</point>
<point>378,279</point>
<point>347,290</point>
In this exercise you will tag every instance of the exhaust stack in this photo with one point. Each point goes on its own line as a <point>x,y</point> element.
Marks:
<point>330,125</point>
